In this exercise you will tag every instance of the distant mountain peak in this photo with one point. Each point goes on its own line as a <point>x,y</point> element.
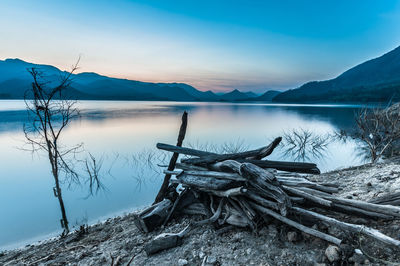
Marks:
<point>375,80</point>
<point>15,80</point>
<point>14,60</point>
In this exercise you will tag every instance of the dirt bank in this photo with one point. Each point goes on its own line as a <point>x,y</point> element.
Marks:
<point>275,244</point>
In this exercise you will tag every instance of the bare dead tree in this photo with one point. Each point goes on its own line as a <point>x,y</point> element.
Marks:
<point>50,111</point>
<point>93,168</point>
<point>378,129</point>
<point>302,144</point>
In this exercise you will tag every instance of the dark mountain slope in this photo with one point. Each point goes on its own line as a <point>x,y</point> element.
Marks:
<point>233,96</point>
<point>15,80</point>
<point>374,80</point>
<point>267,96</point>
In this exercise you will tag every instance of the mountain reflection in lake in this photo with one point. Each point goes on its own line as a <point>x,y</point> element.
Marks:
<point>125,135</point>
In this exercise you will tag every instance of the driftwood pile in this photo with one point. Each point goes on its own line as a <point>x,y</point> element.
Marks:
<point>245,190</point>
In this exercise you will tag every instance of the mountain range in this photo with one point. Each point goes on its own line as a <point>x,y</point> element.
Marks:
<point>376,80</point>
<point>15,80</point>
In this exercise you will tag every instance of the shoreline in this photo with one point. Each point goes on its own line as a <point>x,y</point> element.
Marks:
<point>271,245</point>
<point>37,240</point>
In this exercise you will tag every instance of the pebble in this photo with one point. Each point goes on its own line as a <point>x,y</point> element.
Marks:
<point>248,251</point>
<point>211,259</point>
<point>332,253</point>
<point>292,236</point>
<point>272,231</point>
<point>357,258</point>
<point>182,262</point>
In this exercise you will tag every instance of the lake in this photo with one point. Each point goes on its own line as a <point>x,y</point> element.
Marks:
<point>124,135</point>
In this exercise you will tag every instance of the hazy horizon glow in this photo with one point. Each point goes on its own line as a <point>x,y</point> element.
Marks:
<point>217,45</point>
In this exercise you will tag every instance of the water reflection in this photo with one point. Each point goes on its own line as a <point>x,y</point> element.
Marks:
<point>116,130</point>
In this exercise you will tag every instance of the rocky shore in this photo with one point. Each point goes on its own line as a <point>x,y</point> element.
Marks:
<point>118,240</point>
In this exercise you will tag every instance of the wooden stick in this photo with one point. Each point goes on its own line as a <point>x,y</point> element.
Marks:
<point>164,187</point>
<point>260,200</point>
<point>345,208</point>
<point>308,196</point>
<point>350,227</point>
<point>222,157</point>
<point>298,167</point>
<point>206,182</point>
<point>227,193</point>
<point>360,212</point>
<point>245,206</point>
<point>152,217</point>
<point>183,150</point>
<point>215,215</point>
<point>267,150</point>
<point>174,207</point>
<point>231,166</point>
<point>252,171</point>
<point>385,209</point>
<point>243,213</point>
<point>190,167</point>
<point>234,217</point>
<point>218,175</point>
<point>298,226</point>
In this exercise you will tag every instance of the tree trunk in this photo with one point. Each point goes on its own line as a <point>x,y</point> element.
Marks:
<point>62,207</point>
<point>182,131</point>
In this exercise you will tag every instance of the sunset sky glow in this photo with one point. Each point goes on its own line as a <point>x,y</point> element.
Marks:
<point>217,45</point>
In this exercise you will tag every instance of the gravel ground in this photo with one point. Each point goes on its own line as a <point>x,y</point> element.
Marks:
<point>274,244</point>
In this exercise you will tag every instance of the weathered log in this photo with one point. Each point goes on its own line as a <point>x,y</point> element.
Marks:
<point>162,243</point>
<point>264,174</point>
<point>245,206</point>
<point>389,199</point>
<point>267,150</point>
<point>246,216</point>
<point>252,171</point>
<point>187,198</point>
<point>163,189</point>
<point>385,209</point>
<point>177,200</point>
<point>237,191</point>
<point>214,217</point>
<point>195,209</point>
<point>165,241</point>
<point>233,217</point>
<point>260,200</point>
<point>360,212</point>
<point>190,167</point>
<point>296,225</point>
<point>183,150</point>
<point>230,166</point>
<point>298,200</point>
<point>350,227</point>
<point>240,155</point>
<point>297,182</point>
<point>206,182</point>
<point>265,184</point>
<point>345,208</point>
<point>314,192</point>
<point>283,202</point>
<point>308,196</point>
<point>298,167</point>
<point>213,174</point>
<point>152,217</point>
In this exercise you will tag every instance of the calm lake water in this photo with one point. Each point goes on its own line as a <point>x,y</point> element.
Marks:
<point>124,134</point>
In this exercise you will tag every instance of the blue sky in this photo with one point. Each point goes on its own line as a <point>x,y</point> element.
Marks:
<point>218,45</point>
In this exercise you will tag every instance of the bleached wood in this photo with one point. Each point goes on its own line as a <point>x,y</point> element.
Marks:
<point>350,227</point>
<point>296,225</point>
